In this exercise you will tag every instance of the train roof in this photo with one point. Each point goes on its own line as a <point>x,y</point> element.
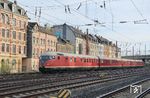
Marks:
<point>85,56</point>
<point>69,54</point>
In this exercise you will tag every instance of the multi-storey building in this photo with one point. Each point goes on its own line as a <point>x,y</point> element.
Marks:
<point>64,46</point>
<point>39,40</point>
<point>74,35</point>
<point>85,43</point>
<point>13,26</point>
<point>93,45</point>
<point>100,46</point>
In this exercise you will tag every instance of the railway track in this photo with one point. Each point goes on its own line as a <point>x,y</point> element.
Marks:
<point>52,84</point>
<point>129,92</point>
<point>144,94</point>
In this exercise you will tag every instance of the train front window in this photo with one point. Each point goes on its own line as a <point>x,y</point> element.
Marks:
<point>47,57</point>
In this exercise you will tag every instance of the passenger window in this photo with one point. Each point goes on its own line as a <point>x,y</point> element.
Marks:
<point>84,60</point>
<point>58,57</point>
<point>66,58</point>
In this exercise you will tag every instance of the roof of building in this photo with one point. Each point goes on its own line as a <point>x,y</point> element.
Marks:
<point>7,5</point>
<point>63,41</point>
<point>91,37</point>
<point>76,31</point>
<point>42,29</point>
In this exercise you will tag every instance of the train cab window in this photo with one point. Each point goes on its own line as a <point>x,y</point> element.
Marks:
<point>58,57</point>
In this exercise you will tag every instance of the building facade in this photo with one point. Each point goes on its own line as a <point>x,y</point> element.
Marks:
<point>39,40</point>
<point>13,26</point>
<point>64,46</point>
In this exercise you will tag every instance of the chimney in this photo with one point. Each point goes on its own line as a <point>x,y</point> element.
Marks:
<point>15,2</point>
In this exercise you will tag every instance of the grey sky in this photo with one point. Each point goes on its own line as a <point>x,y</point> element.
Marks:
<point>127,34</point>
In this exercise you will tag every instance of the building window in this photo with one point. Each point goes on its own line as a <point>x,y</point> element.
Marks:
<point>7,19</point>
<point>44,41</point>
<point>41,41</point>
<point>19,49</point>
<point>37,52</point>
<point>34,51</point>
<point>3,32</point>
<point>14,22</point>
<point>14,34</point>
<point>14,64</point>
<point>24,37</point>
<point>3,18</point>
<point>7,33</point>
<point>48,42</point>
<point>20,23</point>
<point>51,42</point>
<point>3,47</point>
<point>24,50</point>
<point>24,24</point>
<point>37,41</point>
<point>7,48</point>
<point>14,49</point>
<point>34,40</point>
<point>54,43</point>
<point>19,36</point>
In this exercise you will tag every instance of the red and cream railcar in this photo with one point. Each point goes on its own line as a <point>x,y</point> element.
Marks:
<point>58,60</point>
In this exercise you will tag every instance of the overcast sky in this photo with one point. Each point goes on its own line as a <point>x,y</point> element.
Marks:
<point>79,13</point>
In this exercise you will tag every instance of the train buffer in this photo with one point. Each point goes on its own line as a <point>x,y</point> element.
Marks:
<point>63,93</point>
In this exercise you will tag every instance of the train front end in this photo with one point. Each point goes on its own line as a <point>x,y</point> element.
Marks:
<point>44,62</point>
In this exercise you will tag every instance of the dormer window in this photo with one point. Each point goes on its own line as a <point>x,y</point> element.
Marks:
<point>4,5</point>
<point>13,8</point>
<point>20,11</point>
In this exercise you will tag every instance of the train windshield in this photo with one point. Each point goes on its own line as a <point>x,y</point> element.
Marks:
<point>47,57</point>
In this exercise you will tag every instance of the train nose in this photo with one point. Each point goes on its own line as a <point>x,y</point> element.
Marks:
<point>41,63</point>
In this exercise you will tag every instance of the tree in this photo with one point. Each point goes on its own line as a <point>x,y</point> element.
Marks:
<point>5,68</point>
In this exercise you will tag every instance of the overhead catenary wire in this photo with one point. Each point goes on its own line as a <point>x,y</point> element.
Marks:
<point>92,19</point>
<point>140,13</point>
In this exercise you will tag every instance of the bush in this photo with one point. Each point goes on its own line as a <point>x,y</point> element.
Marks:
<point>5,68</point>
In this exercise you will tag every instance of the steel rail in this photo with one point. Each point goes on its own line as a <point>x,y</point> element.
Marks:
<point>121,89</point>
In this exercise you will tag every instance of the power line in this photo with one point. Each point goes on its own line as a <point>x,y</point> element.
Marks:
<point>137,9</point>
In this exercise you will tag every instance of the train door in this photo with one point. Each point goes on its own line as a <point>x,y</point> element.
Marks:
<point>99,61</point>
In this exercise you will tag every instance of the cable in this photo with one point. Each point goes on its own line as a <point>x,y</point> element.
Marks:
<point>137,9</point>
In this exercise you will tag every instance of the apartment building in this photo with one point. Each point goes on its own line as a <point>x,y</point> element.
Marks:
<point>13,26</point>
<point>39,40</point>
